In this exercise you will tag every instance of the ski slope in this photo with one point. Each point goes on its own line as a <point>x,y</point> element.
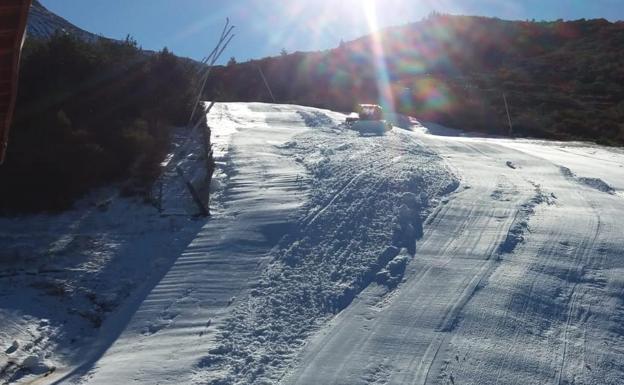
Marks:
<point>419,257</point>
<point>516,281</point>
<point>174,326</point>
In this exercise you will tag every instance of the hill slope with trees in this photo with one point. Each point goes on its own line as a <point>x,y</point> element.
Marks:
<point>90,113</point>
<point>562,79</point>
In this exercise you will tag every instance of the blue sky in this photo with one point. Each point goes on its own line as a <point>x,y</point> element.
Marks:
<point>264,27</point>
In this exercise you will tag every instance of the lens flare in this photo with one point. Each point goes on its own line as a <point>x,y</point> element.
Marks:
<point>379,57</point>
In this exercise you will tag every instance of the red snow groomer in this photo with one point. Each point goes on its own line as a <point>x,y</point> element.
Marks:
<point>368,120</point>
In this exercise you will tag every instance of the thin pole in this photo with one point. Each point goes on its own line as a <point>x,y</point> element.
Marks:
<point>508,116</point>
<point>224,40</point>
<point>266,84</point>
<point>205,79</point>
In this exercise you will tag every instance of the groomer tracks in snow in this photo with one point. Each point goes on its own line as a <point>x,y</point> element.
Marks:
<point>305,216</point>
<point>517,279</point>
<point>416,257</point>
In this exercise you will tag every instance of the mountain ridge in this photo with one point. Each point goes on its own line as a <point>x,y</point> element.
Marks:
<point>43,24</point>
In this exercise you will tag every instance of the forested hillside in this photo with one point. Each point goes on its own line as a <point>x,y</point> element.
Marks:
<point>563,80</point>
<point>90,113</point>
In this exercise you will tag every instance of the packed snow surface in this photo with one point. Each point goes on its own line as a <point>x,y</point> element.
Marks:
<point>517,279</point>
<point>420,256</point>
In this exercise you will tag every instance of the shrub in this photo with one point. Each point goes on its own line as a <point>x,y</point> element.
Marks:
<point>89,114</point>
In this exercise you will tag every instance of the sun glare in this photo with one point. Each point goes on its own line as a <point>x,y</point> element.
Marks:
<point>383,79</point>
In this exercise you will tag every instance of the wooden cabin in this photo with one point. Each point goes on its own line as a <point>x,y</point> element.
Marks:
<point>13,18</point>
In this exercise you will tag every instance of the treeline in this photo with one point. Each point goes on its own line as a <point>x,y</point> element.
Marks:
<point>89,114</point>
<point>562,80</point>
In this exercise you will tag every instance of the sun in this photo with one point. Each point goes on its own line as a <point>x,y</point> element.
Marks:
<point>383,79</point>
<point>370,13</point>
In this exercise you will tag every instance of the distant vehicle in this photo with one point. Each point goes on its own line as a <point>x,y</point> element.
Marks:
<point>369,120</point>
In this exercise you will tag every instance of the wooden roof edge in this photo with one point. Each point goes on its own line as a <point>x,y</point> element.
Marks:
<point>17,48</point>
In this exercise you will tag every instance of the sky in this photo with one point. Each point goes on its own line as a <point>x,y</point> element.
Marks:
<point>265,27</point>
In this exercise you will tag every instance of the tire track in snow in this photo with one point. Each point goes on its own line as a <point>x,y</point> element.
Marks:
<point>555,240</point>
<point>424,367</point>
<point>577,272</point>
<point>449,322</point>
<point>451,248</point>
<point>486,270</point>
<point>547,262</point>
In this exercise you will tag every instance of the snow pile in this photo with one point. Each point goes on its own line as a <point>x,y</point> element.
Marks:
<point>368,199</point>
<point>316,119</point>
<point>595,183</point>
<point>392,273</point>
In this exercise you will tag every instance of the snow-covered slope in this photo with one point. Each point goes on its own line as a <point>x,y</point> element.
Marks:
<point>69,282</point>
<point>331,258</point>
<point>517,280</point>
<point>301,206</point>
